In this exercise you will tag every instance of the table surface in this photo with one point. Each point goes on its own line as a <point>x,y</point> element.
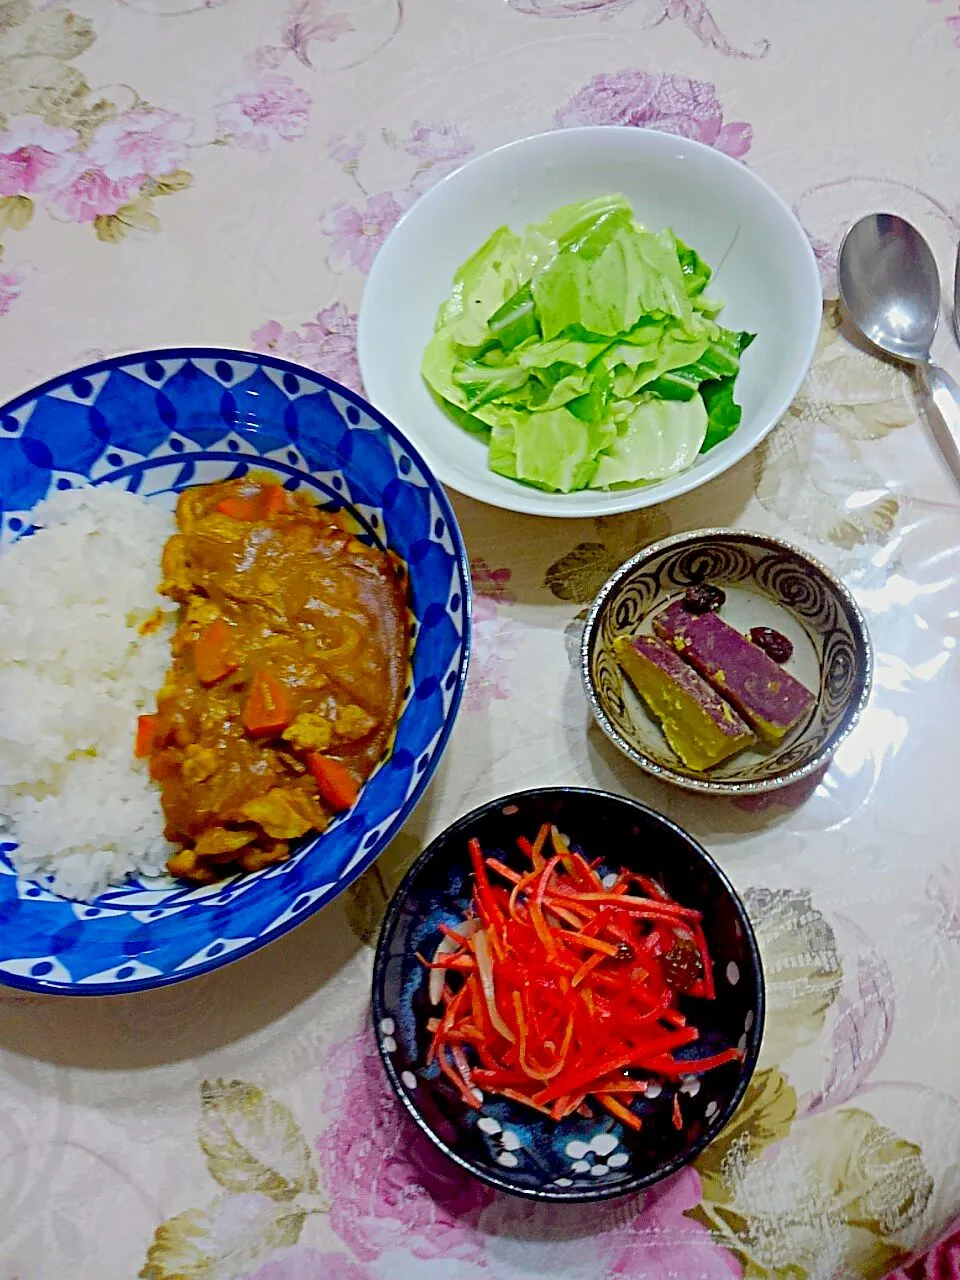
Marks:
<point>223,172</point>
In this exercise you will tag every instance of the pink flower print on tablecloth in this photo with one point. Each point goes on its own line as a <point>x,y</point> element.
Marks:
<point>670,103</point>
<point>82,192</point>
<point>489,588</point>
<point>305,1264</point>
<point>438,149</point>
<point>310,20</point>
<point>941,1263</point>
<point>327,344</point>
<point>826,256</point>
<point>393,1188</point>
<point>123,153</point>
<point>662,1241</point>
<point>694,14</point>
<point>31,153</point>
<point>10,288</point>
<point>494,637</point>
<point>437,142</point>
<point>141,144</point>
<point>494,646</point>
<point>327,1266</point>
<point>953,23</point>
<point>264,112</point>
<point>638,1238</point>
<point>346,149</point>
<point>358,233</point>
<point>398,1200</point>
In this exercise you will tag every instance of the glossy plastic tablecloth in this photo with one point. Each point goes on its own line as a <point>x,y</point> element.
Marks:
<point>224,171</point>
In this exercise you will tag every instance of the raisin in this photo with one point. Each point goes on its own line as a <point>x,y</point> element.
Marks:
<point>703,598</point>
<point>773,643</point>
<point>682,965</point>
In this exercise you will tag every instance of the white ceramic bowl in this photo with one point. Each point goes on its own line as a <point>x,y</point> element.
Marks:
<point>764,270</point>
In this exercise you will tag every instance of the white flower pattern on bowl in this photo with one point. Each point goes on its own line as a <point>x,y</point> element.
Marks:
<point>387,1030</point>
<point>598,1157</point>
<point>505,1140</point>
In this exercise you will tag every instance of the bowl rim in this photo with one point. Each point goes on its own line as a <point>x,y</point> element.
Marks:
<point>755,1036</point>
<point>728,787</point>
<point>119,361</point>
<point>641,495</point>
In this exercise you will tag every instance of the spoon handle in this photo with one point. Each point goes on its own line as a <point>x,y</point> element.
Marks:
<point>945,396</point>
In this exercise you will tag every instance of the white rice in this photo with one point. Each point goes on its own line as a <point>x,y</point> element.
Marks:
<point>74,675</point>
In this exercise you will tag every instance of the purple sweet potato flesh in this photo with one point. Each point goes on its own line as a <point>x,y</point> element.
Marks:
<point>771,700</point>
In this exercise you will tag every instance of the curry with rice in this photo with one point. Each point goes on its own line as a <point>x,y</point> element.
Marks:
<point>289,664</point>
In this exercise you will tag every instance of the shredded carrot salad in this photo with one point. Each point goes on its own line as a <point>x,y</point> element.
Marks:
<point>559,988</point>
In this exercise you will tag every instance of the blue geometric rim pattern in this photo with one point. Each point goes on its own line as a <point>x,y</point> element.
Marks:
<point>155,423</point>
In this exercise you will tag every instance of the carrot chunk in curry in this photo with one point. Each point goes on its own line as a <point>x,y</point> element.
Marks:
<point>289,663</point>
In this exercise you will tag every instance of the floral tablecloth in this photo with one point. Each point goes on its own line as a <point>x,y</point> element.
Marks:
<point>224,171</point>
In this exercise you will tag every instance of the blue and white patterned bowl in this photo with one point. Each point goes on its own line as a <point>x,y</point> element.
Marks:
<point>505,1143</point>
<point>155,423</point>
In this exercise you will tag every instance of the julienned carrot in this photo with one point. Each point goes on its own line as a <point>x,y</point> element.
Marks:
<point>580,1081</point>
<point>594,944</point>
<point>535,907</point>
<point>541,840</point>
<point>650,906</point>
<point>501,868</point>
<point>453,1075</point>
<point>693,1066</point>
<point>517,1096</point>
<point>622,1084</point>
<point>619,1110</point>
<point>463,964</point>
<point>489,910</point>
<point>560,992</point>
<point>591,962</point>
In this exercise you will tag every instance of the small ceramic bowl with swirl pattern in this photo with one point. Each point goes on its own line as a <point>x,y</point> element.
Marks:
<point>766,583</point>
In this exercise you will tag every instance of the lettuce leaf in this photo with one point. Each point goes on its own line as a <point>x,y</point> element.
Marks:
<point>586,351</point>
<point>723,412</point>
<point>720,360</point>
<point>480,287</point>
<point>552,450</point>
<point>695,271</point>
<point>627,273</point>
<point>659,439</point>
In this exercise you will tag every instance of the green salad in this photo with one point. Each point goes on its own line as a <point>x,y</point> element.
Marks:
<point>587,351</point>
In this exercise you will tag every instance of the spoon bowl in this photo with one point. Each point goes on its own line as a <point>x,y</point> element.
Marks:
<point>890,285</point>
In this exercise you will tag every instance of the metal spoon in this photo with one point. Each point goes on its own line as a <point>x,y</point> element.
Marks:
<point>890,286</point>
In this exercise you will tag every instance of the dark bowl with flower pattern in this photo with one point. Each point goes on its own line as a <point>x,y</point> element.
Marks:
<point>504,1143</point>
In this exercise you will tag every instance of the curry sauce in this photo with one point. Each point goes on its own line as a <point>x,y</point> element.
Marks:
<point>289,664</point>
